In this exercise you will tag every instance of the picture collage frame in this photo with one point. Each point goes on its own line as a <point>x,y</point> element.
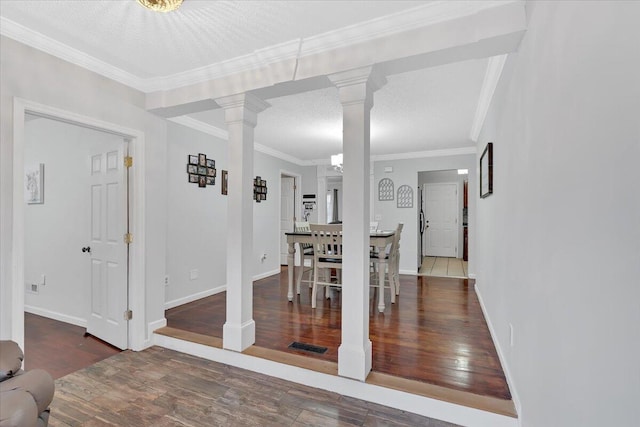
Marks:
<point>201,170</point>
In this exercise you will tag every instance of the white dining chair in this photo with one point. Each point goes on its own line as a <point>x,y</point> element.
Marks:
<point>327,255</point>
<point>392,265</point>
<point>306,253</point>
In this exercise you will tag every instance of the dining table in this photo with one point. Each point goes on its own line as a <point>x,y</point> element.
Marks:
<point>379,239</point>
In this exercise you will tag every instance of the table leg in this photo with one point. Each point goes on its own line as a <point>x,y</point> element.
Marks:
<point>381,274</point>
<point>300,269</point>
<point>291,266</point>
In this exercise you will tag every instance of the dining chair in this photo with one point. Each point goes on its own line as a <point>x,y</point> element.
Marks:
<point>327,255</point>
<point>306,253</point>
<point>392,265</point>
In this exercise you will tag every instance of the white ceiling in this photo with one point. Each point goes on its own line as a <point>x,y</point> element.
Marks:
<point>430,109</point>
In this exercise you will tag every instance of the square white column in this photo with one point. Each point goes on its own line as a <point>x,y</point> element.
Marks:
<point>356,89</point>
<point>241,112</point>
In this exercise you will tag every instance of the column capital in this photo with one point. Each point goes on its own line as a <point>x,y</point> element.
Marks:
<point>357,85</point>
<point>242,107</point>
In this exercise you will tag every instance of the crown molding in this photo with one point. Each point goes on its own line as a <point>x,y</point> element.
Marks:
<point>224,135</point>
<point>201,126</point>
<point>421,16</point>
<point>424,154</point>
<point>406,20</point>
<point>53,47</point>
<point>489,85</point>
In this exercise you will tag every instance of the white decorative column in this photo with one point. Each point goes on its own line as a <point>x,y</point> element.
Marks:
<point>356,89</point>
<point>241,113</point>
<point>321,199</point>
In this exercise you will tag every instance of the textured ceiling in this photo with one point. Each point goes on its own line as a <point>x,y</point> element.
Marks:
<point>422,110</point>
<point>202,32</point>
<point>430,109</point>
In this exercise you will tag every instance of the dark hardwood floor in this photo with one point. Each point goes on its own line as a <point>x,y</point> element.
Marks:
<point>60,348</point>
<point>435,333</point>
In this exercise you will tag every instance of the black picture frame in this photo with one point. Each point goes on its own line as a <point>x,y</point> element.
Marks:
<point>225,182</point>
<point>192,160</point>
<point>486,171</point>
<point>192,169</point>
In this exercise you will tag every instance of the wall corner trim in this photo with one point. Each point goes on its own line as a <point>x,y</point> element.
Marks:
<point>489,85</point>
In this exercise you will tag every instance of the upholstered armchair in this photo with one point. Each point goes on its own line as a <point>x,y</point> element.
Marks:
<point>24,396</point>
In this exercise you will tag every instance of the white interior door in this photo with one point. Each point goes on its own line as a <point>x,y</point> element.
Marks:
<point>287,214</point>
<point>441,216</point>
<point>109,271</point>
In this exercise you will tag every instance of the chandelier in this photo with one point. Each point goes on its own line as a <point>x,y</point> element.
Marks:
<point>336,162</point>
<point>161,5</point>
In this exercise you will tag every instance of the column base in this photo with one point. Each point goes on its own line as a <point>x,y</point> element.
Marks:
<point>238,337</point>
<point>354,361</point>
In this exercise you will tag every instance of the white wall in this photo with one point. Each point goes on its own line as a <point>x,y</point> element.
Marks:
<point>447,176</point>
<point>197,217</point>
<point>38,77</point>
<point>406,172</point>
<point>56,231</point>
<point>559,240</point>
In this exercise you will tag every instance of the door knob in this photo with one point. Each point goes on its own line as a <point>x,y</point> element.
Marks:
<point>87,249</point>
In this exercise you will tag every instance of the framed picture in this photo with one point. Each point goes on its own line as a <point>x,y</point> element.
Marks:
<point>486,171</point>
<point>211,163</point>
<point>202,181</point>
<point>202,160</point>
<point>225,182</point>
<point>193,160</point>
<point>211,172</point>
<point>193,178</point>
<point>211,180</point>
<point>34,184</point>
<point>202,170</point>
<point>192,168</point>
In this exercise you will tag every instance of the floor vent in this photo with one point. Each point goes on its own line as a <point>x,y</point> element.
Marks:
<point>308,347</point>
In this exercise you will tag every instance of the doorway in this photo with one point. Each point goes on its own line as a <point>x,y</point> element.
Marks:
<point>76,260</point>
<point>443,225</point>
<point>134,335</point>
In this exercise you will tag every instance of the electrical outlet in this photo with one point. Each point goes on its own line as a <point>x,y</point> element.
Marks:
<point>194,274</point>
<point>43,279</point>
<point>32,288</point>
<point>263,257</point>
<point>378,217</point>
<point>166,280</point>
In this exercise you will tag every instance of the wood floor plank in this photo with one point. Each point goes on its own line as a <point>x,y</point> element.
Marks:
<point>60,348</point>
<point>435,333</point>
<point>205,393</point>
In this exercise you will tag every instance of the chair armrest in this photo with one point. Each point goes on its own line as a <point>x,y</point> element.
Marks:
<point>11,357</point>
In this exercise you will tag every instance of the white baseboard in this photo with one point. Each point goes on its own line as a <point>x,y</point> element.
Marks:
<point>194,297</point>
<point>267,274</point>
<point>410,272</point>
<point>420,405</point>
<point>501,356</point>
<point>56,316</point>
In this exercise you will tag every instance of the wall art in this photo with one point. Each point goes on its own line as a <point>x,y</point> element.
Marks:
<point>201,170</point>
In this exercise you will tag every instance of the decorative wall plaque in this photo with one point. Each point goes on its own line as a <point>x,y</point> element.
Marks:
<point>405,196</point>
<point>385,189</point>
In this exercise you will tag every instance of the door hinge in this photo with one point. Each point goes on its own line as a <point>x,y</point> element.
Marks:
<point>128,238</point>
<point>128,161</point>
<point>128,315</point>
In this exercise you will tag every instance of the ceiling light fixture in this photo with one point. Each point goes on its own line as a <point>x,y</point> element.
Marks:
<point>161,5</point>
<point>336,162</point>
